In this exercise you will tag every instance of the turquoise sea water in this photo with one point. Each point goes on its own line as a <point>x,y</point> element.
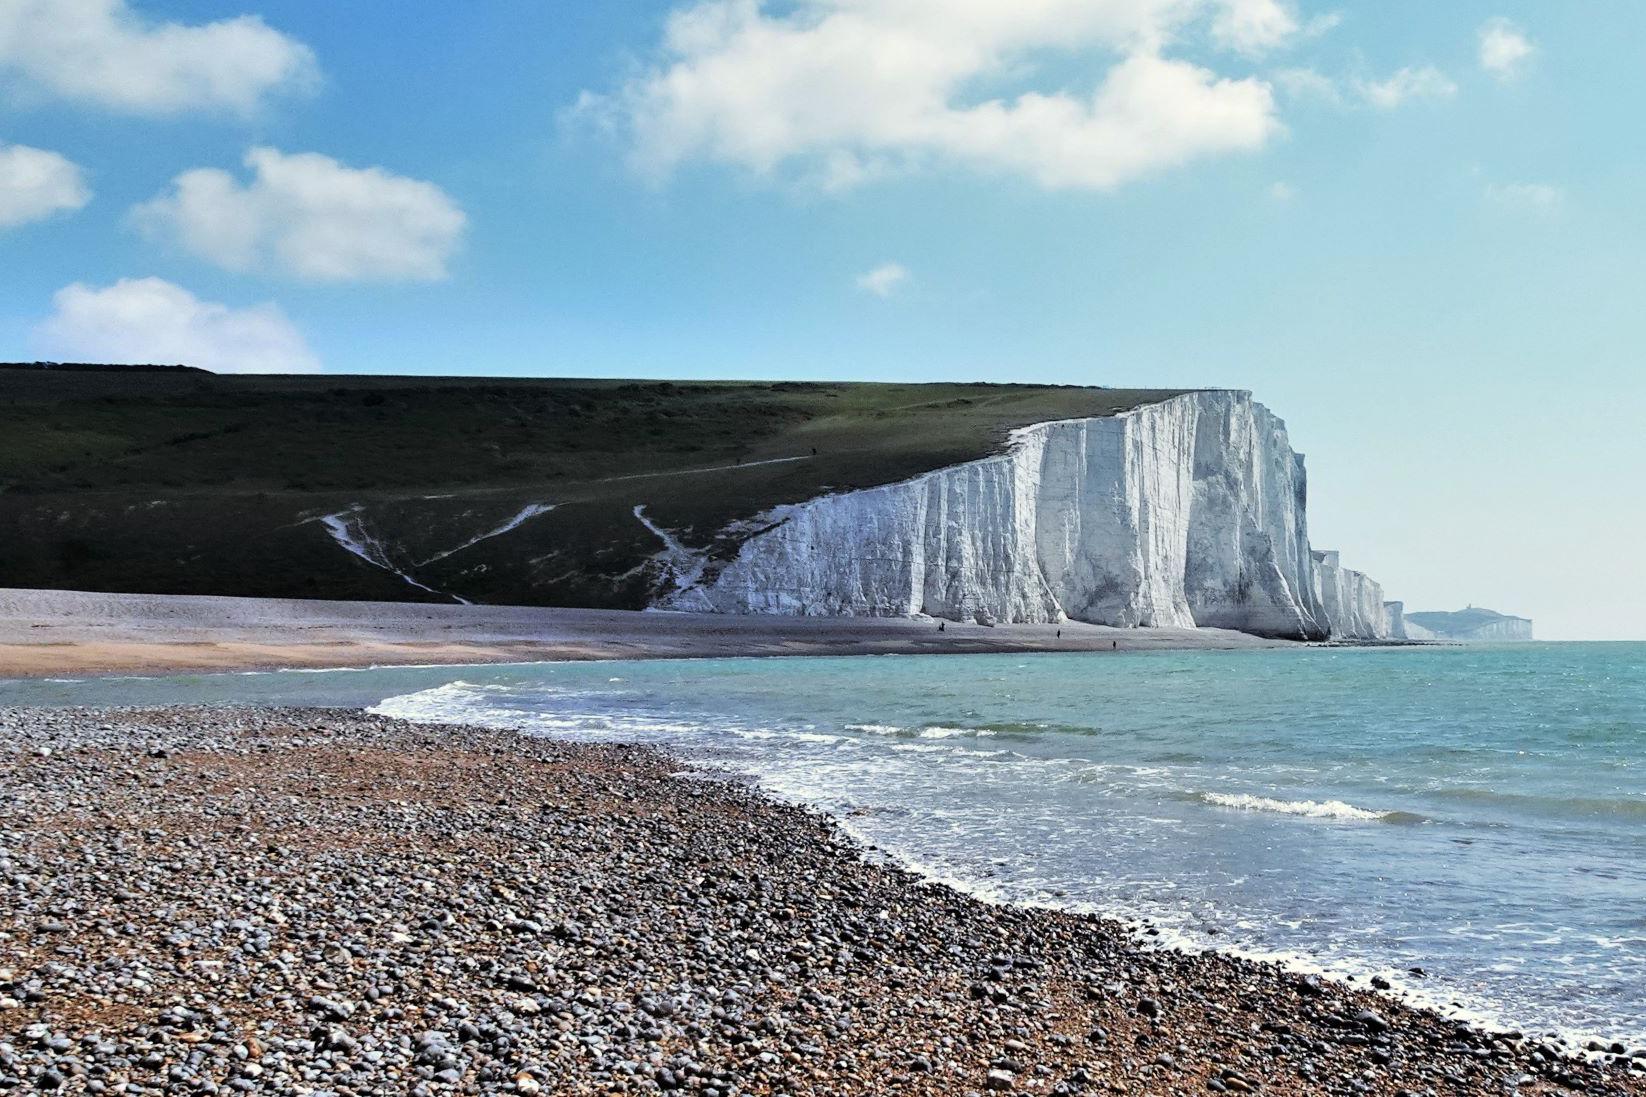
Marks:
<point>1479,813</point>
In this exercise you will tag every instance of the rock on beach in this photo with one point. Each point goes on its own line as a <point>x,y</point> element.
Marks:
<point>286,901</point>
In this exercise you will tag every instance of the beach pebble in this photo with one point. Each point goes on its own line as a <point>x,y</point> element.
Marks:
<point>1371,1020</point>
<point>235,900</point>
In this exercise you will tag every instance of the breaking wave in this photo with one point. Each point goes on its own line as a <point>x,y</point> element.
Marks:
<point>929,731</point>
<point>1311,809</point>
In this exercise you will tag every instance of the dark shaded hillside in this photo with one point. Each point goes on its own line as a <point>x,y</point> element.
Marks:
<point>99,367</point>
<point>186,482</point>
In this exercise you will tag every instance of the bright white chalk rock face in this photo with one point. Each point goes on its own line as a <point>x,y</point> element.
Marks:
<point>1188,512</point>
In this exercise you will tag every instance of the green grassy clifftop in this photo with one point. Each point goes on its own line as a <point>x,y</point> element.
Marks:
<point>184,482</point>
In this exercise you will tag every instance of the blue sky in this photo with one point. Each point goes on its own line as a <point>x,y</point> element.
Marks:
<point>1412,229</point>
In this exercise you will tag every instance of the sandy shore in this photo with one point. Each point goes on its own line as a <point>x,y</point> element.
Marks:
<point>77,633</point>
<point>311,901</point>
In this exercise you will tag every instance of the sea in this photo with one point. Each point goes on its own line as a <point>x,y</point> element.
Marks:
<point>1466,823</point>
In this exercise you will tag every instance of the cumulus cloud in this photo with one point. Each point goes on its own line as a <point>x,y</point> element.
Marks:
<point>1504,49</point>
<point>1253,26</point>
<point>150,320</point>
<point>1425,82</point>
<point>104,53</point>
<point>841,91</point>
<point>35,183</point>
<point>308,215</point>
<point>1542,198</point>
<point>884,280</point>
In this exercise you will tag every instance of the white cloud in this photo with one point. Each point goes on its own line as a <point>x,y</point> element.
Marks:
<point>1406,85</point>
<point>309,216</point>
<point>35,183</point>
<point>149,320</point>
<point>1426,82</point>
<point>103,53</point>
<point>1303,83</point>
<point>1504,49</point>
<point>884,280</point>
<point>843,90</point>
<point>1253,26</point>
<point>1323,24</point>
<point>1542,198</point>
<point>1282,192</point>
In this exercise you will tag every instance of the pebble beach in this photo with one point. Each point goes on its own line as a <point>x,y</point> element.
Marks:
<point>313,901</point>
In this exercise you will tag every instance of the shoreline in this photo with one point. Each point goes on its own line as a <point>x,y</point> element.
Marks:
<point>77,633</point>
<point>324,899</point>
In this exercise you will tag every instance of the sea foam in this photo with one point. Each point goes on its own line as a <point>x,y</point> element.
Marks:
<point>1312,809</point>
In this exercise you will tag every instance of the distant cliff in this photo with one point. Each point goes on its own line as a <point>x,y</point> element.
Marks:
<point>1353,601</point>
<point>1188,511</point>
<point>1471,625</point>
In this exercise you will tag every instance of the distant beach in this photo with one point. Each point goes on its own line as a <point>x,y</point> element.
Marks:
<point>47,633</point>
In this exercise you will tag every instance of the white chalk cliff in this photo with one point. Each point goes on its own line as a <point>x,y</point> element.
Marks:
<point>1397,620</point>
<point>1471,625</point>
<point>1191,511</point>
<point>1355,609</point>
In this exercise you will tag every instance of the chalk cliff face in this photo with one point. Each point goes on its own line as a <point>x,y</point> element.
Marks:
<point>1397,619</point>
<point>1354,604</point>
<point>1471,625</point>
<point>1513,628</point>
<point>1182,513</point>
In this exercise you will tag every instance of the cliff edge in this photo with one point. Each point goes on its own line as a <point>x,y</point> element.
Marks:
<point>1190,511</point>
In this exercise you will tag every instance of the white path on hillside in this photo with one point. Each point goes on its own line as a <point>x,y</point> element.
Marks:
<point>686,564</point>
<point>347,529</point>
<point>706,468</point>
<point>526,514</point>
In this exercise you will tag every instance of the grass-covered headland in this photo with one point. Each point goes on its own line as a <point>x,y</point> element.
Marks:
<point>181,481</point>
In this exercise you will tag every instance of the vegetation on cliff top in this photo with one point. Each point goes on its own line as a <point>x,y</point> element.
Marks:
<point>198,483</point>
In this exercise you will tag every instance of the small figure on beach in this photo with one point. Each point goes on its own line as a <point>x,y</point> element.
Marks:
<point>940,625</point>
<point>1060,634</point>
<point>1117,645</point>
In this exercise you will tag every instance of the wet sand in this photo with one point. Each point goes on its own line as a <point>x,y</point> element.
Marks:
<point>48,633</point>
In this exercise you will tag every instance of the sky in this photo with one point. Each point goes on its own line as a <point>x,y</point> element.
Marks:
<point>1414,230</point>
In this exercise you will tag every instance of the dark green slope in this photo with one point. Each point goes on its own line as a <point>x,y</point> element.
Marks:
<point>183,482</point>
